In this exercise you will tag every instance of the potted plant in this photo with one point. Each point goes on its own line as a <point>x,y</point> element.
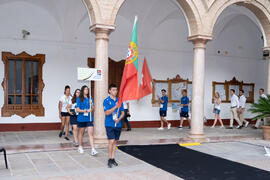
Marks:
<point>262,110</point>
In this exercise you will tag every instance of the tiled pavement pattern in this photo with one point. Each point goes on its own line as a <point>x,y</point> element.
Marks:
<point>72,165</point>
<point>138,135</point>
<point>62,161</point>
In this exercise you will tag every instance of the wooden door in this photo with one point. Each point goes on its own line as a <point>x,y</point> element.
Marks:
<point>116,69</point>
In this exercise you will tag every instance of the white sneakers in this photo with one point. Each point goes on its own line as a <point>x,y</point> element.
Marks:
<point>169,127</point>
<point>93,152</point>
<point>80,149</point>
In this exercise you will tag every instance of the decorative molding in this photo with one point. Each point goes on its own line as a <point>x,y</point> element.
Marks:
<point>177,79</point>
<point>22,110</point>
<point>234,81</point>
<point>227,85</point>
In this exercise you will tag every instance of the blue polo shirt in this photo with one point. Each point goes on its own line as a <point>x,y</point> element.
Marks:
<point>164,105</point>
<point>108,104</point>
<point>84,105</point>
<point>184,100</point>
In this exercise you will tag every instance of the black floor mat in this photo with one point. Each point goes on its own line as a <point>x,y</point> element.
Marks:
<point>192,165</point>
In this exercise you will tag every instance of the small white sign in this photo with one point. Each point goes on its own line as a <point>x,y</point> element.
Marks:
<point>89,74</point>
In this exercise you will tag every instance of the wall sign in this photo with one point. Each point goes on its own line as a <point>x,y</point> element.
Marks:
<point>223,88</point>
<point>89,74</point>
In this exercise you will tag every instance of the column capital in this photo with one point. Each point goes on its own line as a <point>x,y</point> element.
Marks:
<point>200,41</point>
<point>266,48</point>
<point>266,52</point>
<point>102,31</point>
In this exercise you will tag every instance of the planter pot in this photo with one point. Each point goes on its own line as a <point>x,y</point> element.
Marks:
<point>266,132</point>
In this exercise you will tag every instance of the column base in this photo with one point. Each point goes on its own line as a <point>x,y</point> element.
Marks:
<point>101,142</point>
<point>197,138</point>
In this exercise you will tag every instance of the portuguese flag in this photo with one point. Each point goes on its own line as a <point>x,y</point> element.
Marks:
<point>129,89</point>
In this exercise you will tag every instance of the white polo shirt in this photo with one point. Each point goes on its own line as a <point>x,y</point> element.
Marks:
<point>263,96</point>
<point>65,101</point>
<point>242,101</point>
<point>234,101</point>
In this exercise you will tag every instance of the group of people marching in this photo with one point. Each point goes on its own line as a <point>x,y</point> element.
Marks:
<point>78,110</point>
<point>184,110</point>
<point>237,109</point>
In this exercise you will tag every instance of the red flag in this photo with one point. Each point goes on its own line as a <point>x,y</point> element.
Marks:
<point>129,89</point>
<point>145,85</point>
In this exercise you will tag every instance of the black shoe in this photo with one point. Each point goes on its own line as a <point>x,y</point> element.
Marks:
<point>229,127</point>
<point>114,162</point>
<point>60,134</point>
<point>128,129</point>
<point>110,163</point>
<point>254,127</point>
<point>71,133</point>
<point>66,138</point>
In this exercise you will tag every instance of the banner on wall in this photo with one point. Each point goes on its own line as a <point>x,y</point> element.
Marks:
<point>175,107</point>
<point>89,74</point>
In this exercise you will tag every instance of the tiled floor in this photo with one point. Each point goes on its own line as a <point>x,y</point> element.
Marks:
<point>72,165</point>
<point>43,155</point>
<point>136,135</point>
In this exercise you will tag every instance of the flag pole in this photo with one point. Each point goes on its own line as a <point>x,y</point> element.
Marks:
<point>116,116</point>
<point>90,101</point>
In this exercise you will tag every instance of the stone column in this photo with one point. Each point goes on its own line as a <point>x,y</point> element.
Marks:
<point>101,87</point>
<point>268,74</point>
<point>198,81</point>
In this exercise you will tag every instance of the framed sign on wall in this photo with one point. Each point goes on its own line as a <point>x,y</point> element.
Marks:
<point>173,87</point>
<point>223,88</point>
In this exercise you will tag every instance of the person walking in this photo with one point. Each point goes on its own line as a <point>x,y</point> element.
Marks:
<point>217,107</point>
<point>85,107</point>
<point>163,103</point>
<point>113,116</point>
<point>184,111</point>
<point>73,116</point>
<point>63,112</point>
<point>259,121</point>
<point>233,111</point>
<point>242,106</point>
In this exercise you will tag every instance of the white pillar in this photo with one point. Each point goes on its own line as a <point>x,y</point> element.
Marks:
<point>198,81</point>
<point>267,49</point>
<point>268,76</point>
<point>101,87</point>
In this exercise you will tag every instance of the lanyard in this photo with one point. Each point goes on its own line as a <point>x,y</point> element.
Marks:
<point>66,99</point>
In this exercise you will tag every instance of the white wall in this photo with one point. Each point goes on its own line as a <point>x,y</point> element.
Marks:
<point>62,57</point>
<point>162,39</point>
